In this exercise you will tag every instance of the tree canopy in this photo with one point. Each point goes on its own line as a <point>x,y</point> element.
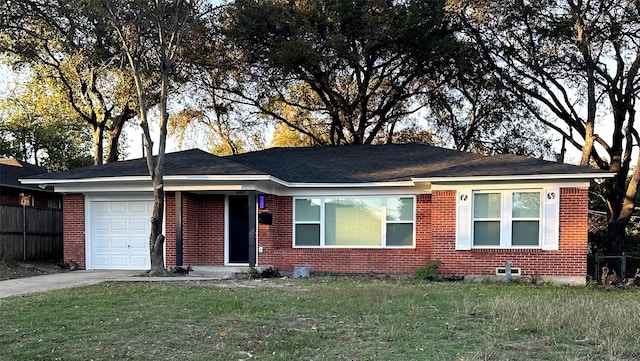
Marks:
<point>39,127</point>
<point>363,65</point>
<point>575,65</point>
<point>67,43</point>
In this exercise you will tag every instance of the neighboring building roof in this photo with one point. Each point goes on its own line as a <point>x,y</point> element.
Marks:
<point>11,170</point>
<point>345,164</point>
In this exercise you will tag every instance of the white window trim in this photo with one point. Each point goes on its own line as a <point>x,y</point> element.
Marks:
<point>506,219</point>
<point>383,241</point>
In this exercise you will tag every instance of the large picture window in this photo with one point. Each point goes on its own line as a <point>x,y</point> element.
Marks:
<point>506,219</point>
<point>354,222</point>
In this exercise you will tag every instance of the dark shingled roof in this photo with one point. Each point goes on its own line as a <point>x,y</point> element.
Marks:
<point>397,162</point>
<point>12,169</point>
<point>346,164</point>
<point>188,162</point>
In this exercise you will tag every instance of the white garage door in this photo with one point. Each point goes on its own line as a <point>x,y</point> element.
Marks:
<point>119,235</point>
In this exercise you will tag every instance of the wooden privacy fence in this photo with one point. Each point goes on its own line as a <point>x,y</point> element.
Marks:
<point>28,233</point>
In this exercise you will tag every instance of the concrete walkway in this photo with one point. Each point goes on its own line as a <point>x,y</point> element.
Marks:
<point>56,281</point>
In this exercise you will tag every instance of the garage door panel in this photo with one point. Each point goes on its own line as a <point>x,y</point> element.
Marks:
<point>138,261</point>
<point>120,260</point>
<point>100,243</point>
<point>100,207</point>
<point>118,207</point>
<point>137,208</point>
<point>119,234</point>
<point>101,261</point>
<point>119,243</point>
<point>119,224</point>
<point>139,224</point>
<point>100,225</point>
<point>138,242</point>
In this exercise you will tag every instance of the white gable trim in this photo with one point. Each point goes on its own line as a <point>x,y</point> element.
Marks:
<point>513,184</point>
<point>515,178</point>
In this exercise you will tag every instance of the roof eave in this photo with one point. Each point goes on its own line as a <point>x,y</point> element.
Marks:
<point>50,181</point>
<point>526,177</point>
<point>351,185</point>
<point>146,178</point>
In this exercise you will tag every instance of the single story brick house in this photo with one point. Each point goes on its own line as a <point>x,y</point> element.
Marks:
<point>359,209</point>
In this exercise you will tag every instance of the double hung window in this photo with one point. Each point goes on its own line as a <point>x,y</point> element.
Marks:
<point>506,219</point>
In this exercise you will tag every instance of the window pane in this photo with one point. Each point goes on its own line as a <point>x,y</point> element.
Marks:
<point>307,235</point>
<point>308,210</point>
<point>353,222</point>
<point>486,233</point>
<point>525,233</point>
<point>486,205</point>
<point>400,209</point>
<point>399,234</point>
<point>526,205</point>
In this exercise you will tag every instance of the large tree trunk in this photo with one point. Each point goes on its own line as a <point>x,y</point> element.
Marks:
<point>96,134</point>
<point>156,238</point>
<point>615,238</point>
<point>113,144</point>
<point>616,233</point>
<point>114,133</point>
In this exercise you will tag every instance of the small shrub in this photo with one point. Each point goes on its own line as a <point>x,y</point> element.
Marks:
<point>270,273</point>
<point>536,279</point>
<point>71,265</point>
<point>452,278</point>
<point>428,272</point>
<point>7,261</point>
<point>253,273</point>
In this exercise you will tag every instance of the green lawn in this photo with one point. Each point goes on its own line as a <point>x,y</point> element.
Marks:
<point>321,319</point>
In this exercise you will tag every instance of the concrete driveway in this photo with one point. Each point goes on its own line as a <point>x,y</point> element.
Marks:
<point>57,281</point>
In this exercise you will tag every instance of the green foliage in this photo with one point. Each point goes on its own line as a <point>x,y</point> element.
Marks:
<point>39,126</point>
<point>253,273</point>
<point>71,52</point>
<point>428,272</point>
<point>7,261</point>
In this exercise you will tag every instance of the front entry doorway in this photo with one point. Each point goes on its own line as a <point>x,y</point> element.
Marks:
<point>238,223</point>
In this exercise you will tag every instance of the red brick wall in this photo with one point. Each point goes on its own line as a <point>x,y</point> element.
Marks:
<point>569,260</point>
<point>73,220</point>
<point>202,229</point>
<point>170,229</point>
<point>203,239</point>
<point>278,251</point>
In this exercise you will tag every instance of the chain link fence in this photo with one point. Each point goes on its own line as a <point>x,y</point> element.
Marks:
<point>625,266</point>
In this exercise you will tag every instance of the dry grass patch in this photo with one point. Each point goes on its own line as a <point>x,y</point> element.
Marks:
<point>596,324</point>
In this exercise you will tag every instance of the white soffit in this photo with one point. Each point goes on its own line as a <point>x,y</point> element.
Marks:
<point>253,182</point>
<point>514,178</point>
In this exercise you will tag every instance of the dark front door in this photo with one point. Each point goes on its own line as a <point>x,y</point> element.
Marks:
<point>238,229</point>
